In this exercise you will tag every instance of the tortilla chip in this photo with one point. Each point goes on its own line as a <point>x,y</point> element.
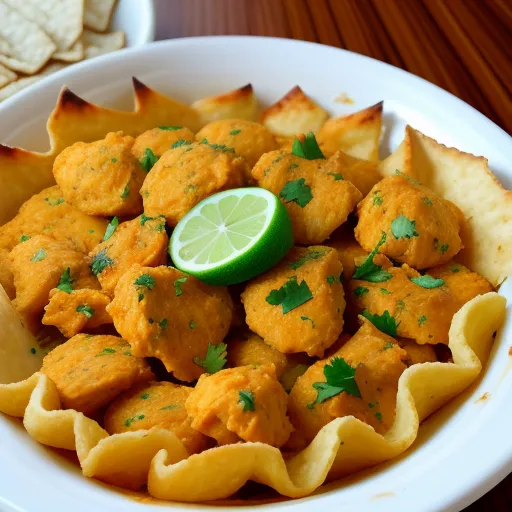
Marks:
<point>238,104</point>
<point>6,76</point>
<point>62,20</point>
<point>467,181</point>
<point>74,54</point>
<point>29,47</point>
<point>343,446</point>
<point>357,134</point>
<point>98,13</point>
<point>294,113</point>
<point>98,44</point>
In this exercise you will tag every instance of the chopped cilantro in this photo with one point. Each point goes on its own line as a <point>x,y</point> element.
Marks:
<point>40,255</point>
<point>310,319</point>
<point>444,248</point>
<point>141,297</point>
<point>385,322</point>
<point>168,408</point>
<point>163,323</point>
<point>114,160</point>
<point>294,166</point>
<point>370,271</point>
<point>215,358</point>
<point>179,143</point>
<point>309,256</point>
<point>66,282</point>
<point>246,398</point>
<point>111,228</point>
<point>290,296</point>
<point>85,309</point>
<point>407,177</point>
<point>107,351</point>
<point>360,290</point>
<point>126,191</point>
<point>145,281</point>
<point>388,345</point>
<point>24,238</point>
<point>378,415</point>
<point>427,281</point>
<point>220,147</point>
<point>189,188</point>
<point>400,305</point>
<point>145,396</point>
<point>309,149</point>
<point>91,231</point>
<point>384,291</point>
<point>297,192</point>
<point>235,131</point>
<point>100,262</point>
<point>427,201</point>
<point>455,268</point>
<point>133,419</point>
<point>337,176</point>
<point>332,279</point>
<point>144,218</point>
<point>377,198</point>
<point>421,320</point>
<point>170,128</point>
<point>177,285</point>
<point>149,159</point>
<point>371,405</point>
<point>339,376</point>
<point>402,227</point>
<point>55,202</point>
<point>192,324</point>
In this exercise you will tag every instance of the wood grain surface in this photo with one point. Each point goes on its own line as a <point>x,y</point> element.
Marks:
<point>464,46</point>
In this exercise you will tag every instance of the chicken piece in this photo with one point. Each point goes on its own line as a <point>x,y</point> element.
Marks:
<point>141,241</point>
<point>90,371</point>
<point>363,174</point>
<point>248,139</point>
<point>318,200</point>
<point>156,404</point>
<point>421,314</point>
<point>167,314</point>
<point>47,213</point>
<point>159,140</point>
<point>417,353</point>
<point>6,277</point>
<point>298,305</point>
<point>422,228</point>
<point>102,177</point>
<point>378,362</point>
<point>77,311</point>
<point>244,403</point>
<point>464,284</point>
<point>37,266</point>
<point>187,174</point>
<point>250,349</point>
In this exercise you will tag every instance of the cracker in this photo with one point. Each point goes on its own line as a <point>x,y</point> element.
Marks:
<point>238,104</point>
<point>294,113</point>
<point>6,76</point>
<point>98,13</point>
<point>357,134</point>
<point>62,20</point>
<point>74,54</point>
<point>98,44</point>
<point>29,47</point>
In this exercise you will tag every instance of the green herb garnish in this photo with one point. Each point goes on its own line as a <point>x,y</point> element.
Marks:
<point>246,398</point>
<point>55,202</point>
<point>24,238</point>
<point>100,262</point>
<point>427,281</point>
<point>339,376</point>
<point>370,271</point>
<point>290,296</point>
<point>219,147</point>
<point>177,285</point>
<point>111,228</point>
<point>297,192</point>
<point>235,131</point>
<point>332,279</point>
<point>66,282</point>
<point>163,323</point>
<point>107,351</point>
<point>336,175</point>
<point>421,320</point>
<point>427,201</point>
<point>310,319</point>
<point>179,143</point>
<point>309,149</point>
<point>85,309</point>
<point>126,191</point>
<point>146,281</point>
<point>407,177</point>
<point>192,324</point>
<point>170,128</point>
<point>377,198</point>
<point>402,227</point>
<point>149,159</point>
<point>385,322</point>
<point>40,255</point>
<point>309,256</point>
<point>360,290</point>
<point>215,358</point>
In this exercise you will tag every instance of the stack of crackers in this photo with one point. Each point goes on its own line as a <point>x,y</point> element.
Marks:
<point>38,37</point>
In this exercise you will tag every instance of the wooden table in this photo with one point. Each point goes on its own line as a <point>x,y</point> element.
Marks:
<point>464,46</point>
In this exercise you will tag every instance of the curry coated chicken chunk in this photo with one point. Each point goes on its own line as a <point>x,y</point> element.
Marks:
<point>244,403</point>
<point>298,305</point>
<point>152,144</point>
<point>423,229</point>
<point>315,194</point>
<point>189,173</point>
<point>167,314</point>
<point>155,404</point>
<point>90,371</point>
<point>102,177</point>
<point>370,364</point>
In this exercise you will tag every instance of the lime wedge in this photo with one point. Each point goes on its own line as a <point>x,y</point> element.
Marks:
<point>232,236</point>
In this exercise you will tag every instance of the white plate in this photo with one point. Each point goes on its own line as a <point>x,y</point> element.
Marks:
<point>463,450</point>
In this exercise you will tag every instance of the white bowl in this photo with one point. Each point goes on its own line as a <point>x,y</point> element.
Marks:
<point>461,451</point>
<point>137,19</point>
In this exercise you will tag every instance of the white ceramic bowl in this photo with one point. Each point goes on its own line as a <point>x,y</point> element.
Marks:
<point>461,451</point>
<point>137,19</point>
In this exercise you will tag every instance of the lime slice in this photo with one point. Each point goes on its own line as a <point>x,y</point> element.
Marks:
<point>232,236</point>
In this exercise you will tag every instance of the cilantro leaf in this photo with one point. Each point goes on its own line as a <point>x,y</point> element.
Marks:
<point>215,358</point>
<point>100,262</point>
<point>402,227</point>
<point>146,281</point>
<point>247,400</point>
<point>172,128</point>
<point>40,255</point>
<point>377,198</point>
<point>385,322</point>
<point>144,218</point>
<point>291,295</point>
<point>24,238</point>
<point>66,282</point>
<point>111,228</point>
<point>427,201</point>
<point>148,160</point>
<point>179,143</point>
<point>336,175</point>
<point>85,309</point>
<point>310,319</point>
<point>309,149</point>
<point>297,192</point>
<point>407,177</point>
<point>339,376</point>
<point>163,323</point>
<point>427,281</point>
<point>55,202</point>
<point>370,271</point>
<point>177,285</point>
<point>421,320</point>
<point>235,131</point>
<point>220,147</point>
<point>309,256</point>
<point>126,191</point>
<point>360,290</point>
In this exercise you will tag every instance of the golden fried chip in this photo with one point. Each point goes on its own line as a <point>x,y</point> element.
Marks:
<point>357,134</point>
<point>97,14</point>
<point>74,54</point>
<point>294,113</point>
<point>238,104</point>
<point>6,76</point>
